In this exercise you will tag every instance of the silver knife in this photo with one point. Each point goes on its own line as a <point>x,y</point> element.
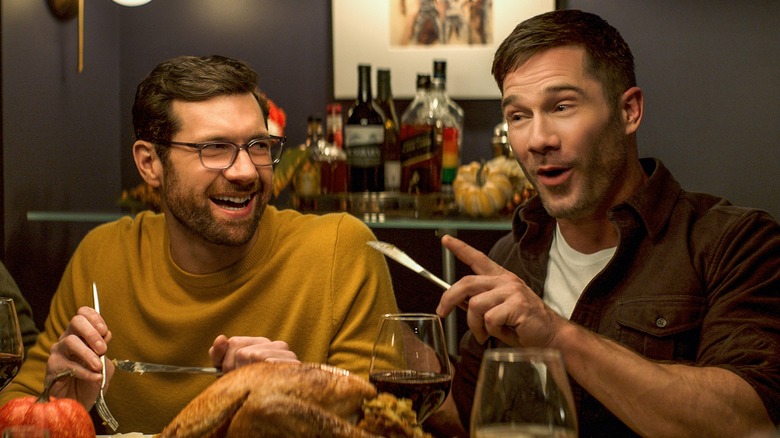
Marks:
<point>401,257</point>
<point>144,367</point>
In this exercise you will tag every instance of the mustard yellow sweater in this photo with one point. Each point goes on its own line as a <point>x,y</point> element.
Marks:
<point>310,281</point>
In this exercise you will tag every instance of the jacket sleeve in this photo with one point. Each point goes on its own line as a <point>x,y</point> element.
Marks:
<point>741,330</point>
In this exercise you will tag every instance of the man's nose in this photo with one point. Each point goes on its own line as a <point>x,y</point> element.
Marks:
<point>243,168</point>
<point>543,135</point>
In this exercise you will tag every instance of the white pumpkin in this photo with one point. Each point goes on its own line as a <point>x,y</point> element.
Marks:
<point>481,190</point>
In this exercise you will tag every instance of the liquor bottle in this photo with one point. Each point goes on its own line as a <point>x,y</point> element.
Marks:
<point>500,143</point>
<point>333,160</point>
<point>364,135</point>
<point>421,141</point>
<point>306,181</point>
<point>452,134</point>
<point>391,150</point>
<point>335,125</point>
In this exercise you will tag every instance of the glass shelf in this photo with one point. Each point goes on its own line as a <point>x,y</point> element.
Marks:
<point>377,210</point>
<point>73,216</point>
<point>400,211</point>
<point>373,220</point>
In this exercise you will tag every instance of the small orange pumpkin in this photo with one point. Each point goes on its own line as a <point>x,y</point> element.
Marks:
<point>64,417</point>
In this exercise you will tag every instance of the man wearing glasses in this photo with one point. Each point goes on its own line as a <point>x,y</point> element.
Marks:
<point>220,278</point>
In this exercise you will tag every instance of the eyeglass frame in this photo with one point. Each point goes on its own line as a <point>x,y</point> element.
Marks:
<point>236,149</point>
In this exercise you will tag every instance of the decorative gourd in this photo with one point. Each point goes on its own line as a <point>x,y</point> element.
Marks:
<point>64,417</point>
<point>480,190</point>
<point>511,168</point>
<point>522,189</point>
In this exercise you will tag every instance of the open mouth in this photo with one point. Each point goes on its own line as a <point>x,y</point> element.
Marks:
<point>234,203</point>
<point>553,175</point>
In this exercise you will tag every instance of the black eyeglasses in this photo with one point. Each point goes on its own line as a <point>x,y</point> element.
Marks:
<point>219,155</point>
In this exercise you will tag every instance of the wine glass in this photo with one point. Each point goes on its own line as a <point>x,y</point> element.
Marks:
<point>11,347</point>
<point>410,361</point>
<point>523,392</point>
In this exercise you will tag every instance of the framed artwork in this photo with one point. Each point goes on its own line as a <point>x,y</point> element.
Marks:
<point>406,36</point>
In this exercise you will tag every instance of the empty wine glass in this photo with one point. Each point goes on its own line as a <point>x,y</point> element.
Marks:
<point>410,361</point>
<point>523,393</point>
<point>11,347</point>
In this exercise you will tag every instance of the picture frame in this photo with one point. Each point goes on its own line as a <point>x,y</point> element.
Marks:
<point>371,32</point>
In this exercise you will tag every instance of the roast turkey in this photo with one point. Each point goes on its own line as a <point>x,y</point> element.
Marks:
<point>281,400</point>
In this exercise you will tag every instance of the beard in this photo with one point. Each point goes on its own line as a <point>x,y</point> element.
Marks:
<point>602,168</point>
<point>197,217</point>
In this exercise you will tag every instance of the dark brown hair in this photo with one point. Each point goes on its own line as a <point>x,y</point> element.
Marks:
<point>192,79</point>
<point>607,56</point>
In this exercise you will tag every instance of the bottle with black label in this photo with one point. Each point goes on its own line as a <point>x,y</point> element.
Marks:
<point>391,151</point>
<point>421,142</point>
<point>364,135</point>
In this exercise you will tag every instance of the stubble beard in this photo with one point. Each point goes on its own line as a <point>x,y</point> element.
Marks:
<point>198,218</point>
<point>602,168</point>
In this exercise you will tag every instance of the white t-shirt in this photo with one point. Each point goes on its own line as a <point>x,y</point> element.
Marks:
<point>568,272</point>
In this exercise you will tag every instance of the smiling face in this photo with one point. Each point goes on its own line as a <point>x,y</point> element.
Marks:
<point>222,207</point>
<point>572,144</point>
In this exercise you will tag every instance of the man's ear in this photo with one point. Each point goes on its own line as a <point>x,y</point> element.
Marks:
<point>632,106</point>
<point>148,163</point>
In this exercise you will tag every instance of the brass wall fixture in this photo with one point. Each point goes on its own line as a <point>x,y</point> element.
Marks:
<point>67,9</point>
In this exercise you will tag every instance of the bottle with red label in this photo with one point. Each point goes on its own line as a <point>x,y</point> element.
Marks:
<point>333,160</point>
<point>334,122</point>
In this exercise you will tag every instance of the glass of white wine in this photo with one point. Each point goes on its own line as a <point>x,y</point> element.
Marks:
<point>523,392</point>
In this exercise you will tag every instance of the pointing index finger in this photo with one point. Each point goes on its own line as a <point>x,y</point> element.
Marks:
<point>474,258</point>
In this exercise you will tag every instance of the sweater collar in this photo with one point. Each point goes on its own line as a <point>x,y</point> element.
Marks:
<point>236,273</point>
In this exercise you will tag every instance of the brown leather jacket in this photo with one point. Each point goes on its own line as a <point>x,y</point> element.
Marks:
<point>694,280</point>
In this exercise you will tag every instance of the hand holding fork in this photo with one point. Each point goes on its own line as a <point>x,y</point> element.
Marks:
<point>100,403</point>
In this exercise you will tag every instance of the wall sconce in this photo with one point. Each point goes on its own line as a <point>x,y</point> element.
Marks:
<point>67,9</point>
<point>132,2</point>
<point>64,9</point>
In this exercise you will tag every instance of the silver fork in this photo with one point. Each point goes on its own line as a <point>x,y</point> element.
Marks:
<point>100,403</point>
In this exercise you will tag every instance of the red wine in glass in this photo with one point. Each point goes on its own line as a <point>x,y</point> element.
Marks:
<point>11,347</point>
<point>410,361</point>
<point>427,391</point>
<point>9,366</point>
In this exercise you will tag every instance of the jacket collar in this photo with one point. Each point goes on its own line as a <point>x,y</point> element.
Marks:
<point>652,204</point>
